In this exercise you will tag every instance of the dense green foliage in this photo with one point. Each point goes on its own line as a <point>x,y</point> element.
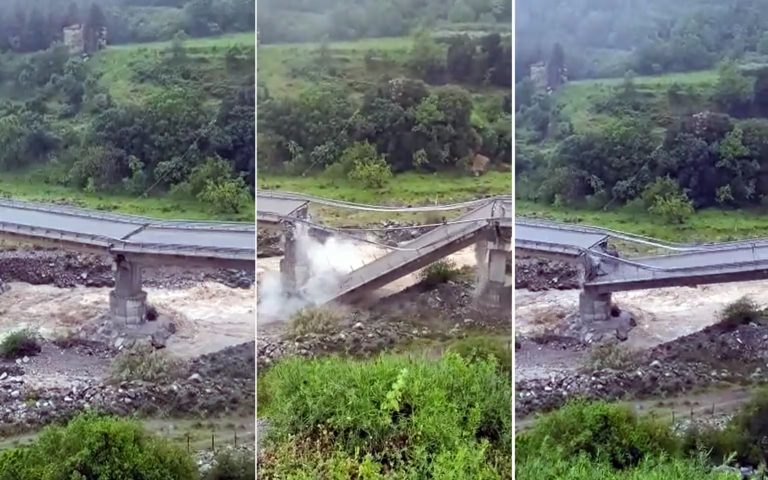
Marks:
<point>742,439</point>
<point>665,150</point>
<point>35,25</point>
<point>96,448</point>
<point>590,441</point>
<point>313,21</point>
<point>84,130</point>
<point>391,417</point>
<point>409,123</point>
<point>605,38</point>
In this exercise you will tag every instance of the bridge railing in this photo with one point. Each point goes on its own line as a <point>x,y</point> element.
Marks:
<point>121,217</point>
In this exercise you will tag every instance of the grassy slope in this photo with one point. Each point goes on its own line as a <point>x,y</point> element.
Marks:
<point>706,225</point>
<point>404,189</point>
<point>283,67</point>
<point>577,97</point>
<point>114,65</point>
<point>285,70</point>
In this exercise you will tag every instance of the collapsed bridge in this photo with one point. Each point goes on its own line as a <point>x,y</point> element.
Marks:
<point>606,272</point>
<point>132,242</point>
<point>487,224</point>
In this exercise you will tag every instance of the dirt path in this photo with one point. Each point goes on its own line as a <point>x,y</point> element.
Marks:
<point>702,406</point>
<point>224,430</point>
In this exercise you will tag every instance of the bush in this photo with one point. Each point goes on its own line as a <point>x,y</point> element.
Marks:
<point>603,432</point>
<point>371,173</point>
<point>665,199</point>
<point>98,448</point>
<point>439,272</point>
<point>321,319</point>
<point>742,311</point>
<point>583,468</point>
<point>743,438</point>
<point>362,164</point>
<point>675,209</point>
<point>19,344</point>
<point>226,195</point>
<point>232,465</point>
<point>608,355</point>
<point>143,362</point>
<point>480,348</point>
<point>418,417</point>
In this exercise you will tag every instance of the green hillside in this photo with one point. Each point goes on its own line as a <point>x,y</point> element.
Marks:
<point>134,124</point>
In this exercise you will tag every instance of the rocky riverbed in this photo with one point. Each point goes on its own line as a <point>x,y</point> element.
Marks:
<point>717,356</point>
<point>447,310</point>
<point>66,270</point>
<point>32,394</point>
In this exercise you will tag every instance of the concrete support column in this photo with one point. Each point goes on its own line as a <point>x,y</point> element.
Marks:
<point>481,262</point>
<point>127,302</point>
<point>594,307</point>
<point>492,274</point>
<point>288,263</point>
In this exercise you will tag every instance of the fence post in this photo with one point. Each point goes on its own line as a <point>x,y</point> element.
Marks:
<point>235,437</point>
<point>213,443</point>
<point>188,450</point>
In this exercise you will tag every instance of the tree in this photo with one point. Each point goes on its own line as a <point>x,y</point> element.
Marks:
<point>460,12</point>
<point>73,15</point>
<point>93,27</point>
<point>762,45</point>
<point>733,91</point>
<point>556,67</point>
<point>36,35</point>
<point>426,59</point>
<point>365,166</point>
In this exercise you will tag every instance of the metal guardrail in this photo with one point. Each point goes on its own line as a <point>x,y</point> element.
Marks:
<point>283,195</point>
<point>642,239</point>
<point>122,217</point>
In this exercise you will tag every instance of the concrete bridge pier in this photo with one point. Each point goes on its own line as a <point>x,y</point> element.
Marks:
<point>288,262</point>
<point>127,302</point>
<point>293,266</point>
<point>491,274</point>
<point>594,307</point>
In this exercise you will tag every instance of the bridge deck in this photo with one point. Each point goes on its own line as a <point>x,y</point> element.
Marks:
<point>556,235</point>
<point>278,206</point>
<point>424,250</point>
<point>106,232</point>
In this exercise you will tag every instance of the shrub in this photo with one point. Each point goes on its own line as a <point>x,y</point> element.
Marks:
<point>363,165</point>
<point>608,355</point>
<point>414,415</point>
<point>18,344</point>
<point>232,465</point>
<point>480,348</point>
<point>226,195</point>
<point>439,272</point>
<point>742,311</point>
<point>371,173</point>
<point>664,198</point>
<point>673,209</point>
<point>143,362</point>
<point>321,319</point>
<point>743,437</point>
<point>583,467</point>
<point>99,448</point>
<point>604,432</point>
